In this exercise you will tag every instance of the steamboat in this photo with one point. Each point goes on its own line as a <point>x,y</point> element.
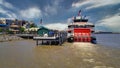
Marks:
<point>80,30</point>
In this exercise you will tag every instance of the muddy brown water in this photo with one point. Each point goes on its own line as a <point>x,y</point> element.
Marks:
<point>25,54</point>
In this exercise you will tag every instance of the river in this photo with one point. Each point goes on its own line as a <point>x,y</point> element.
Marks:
<point>25,54</point>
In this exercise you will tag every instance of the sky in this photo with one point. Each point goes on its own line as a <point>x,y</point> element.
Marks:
<point>57,14</point>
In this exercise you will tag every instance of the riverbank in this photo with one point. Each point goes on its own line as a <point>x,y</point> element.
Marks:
<point>5,38</point>
<point>25,54</point>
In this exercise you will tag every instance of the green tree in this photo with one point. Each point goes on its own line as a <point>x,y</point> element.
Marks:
<point>33,25</point>
<point>22,29</point>
<point>0,29</point>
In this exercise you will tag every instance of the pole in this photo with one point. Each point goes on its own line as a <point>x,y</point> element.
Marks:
<point>37,42</point>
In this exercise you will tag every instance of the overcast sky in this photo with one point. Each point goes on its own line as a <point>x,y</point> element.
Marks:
<point>56,14</point>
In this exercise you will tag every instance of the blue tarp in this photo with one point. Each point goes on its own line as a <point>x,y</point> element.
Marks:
<point>51,33</point>
<point>3,25</point>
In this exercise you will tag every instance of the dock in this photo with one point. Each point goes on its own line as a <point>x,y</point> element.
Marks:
<point>59,39</point>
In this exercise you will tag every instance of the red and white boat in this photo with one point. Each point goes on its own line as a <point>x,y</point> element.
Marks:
<point>80,30</point>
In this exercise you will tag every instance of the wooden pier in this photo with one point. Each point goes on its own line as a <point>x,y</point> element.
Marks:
<point>59,39</point>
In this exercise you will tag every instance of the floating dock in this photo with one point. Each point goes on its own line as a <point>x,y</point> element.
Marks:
<point>59,39</point>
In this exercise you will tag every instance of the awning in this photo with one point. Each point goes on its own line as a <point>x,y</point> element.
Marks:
<point>3,25</point>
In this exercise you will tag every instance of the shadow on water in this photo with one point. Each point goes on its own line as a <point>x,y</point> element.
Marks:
<point>48,43</point>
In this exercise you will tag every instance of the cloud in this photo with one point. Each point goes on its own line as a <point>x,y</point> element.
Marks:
<point>79,4</point>
<point>56,26</point>
<point>95,3</point>
<point>50,10</point>
<point>112,23</point>
<point>69,20</point>
<point>60,25</point>
<point>6,4</point>
<point>7,13</point>
<point>33,12</point>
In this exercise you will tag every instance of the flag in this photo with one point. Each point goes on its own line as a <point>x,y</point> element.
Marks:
<point>40,21</point>
<point>79,13</point>
<point>84,16</point>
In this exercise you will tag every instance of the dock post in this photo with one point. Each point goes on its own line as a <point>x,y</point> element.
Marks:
<point>42,42</point>
<point>37,42</point>
<point>59,38</point>
<point>50,42</point>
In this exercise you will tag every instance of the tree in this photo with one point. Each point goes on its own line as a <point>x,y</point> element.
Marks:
<point>0,29</point>
<point>22,29</point>
<point>33,25</point>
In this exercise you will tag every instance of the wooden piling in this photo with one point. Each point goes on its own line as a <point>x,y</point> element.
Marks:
<point>37,42</point>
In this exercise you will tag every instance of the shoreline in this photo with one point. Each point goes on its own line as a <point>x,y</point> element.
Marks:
<point>6,38</point>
